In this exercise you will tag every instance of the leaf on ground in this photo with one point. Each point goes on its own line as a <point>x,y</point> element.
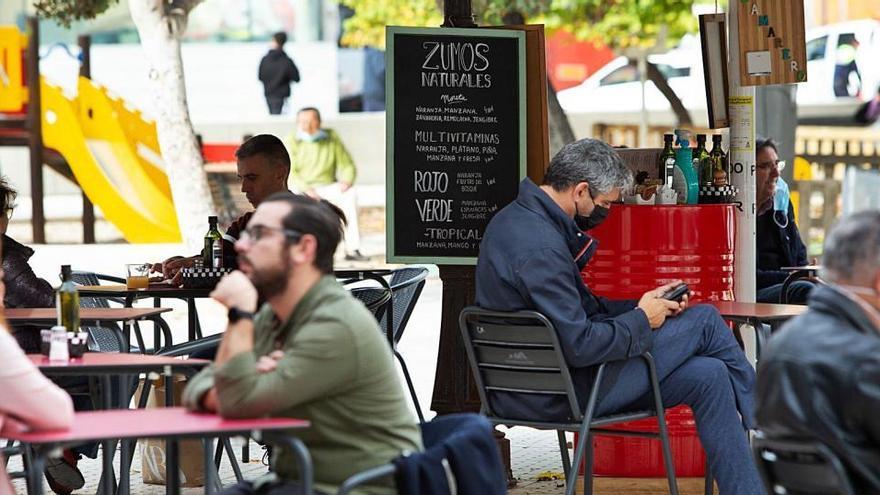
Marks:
<point>550,475</point>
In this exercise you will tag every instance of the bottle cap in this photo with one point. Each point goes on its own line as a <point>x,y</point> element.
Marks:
<point>716,138</point>
<point>212,219</point>
<point>667,138</point>
<point>66,272</point>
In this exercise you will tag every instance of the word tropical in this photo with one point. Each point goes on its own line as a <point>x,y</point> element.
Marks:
<point>764,21</point>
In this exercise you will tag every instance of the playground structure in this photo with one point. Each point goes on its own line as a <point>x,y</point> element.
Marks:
<point>111,151</point>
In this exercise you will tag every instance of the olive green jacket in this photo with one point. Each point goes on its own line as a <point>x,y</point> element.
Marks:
<point>337,372</point>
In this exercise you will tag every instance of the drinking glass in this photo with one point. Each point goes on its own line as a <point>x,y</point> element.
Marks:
<point>138,276</point>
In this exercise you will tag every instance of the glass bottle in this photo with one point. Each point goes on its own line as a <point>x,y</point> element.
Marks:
<point>701,156</point>
<point>67,301</point>
<point>666,163</point>
<point>718,159</point>
<point>213,252</point>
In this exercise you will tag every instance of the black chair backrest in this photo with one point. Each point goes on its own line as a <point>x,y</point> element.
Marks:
<point>374,298</point>
<point>406,287</point>
<point>515,352</point>
<point>104,338</point>
<point>798,467</point>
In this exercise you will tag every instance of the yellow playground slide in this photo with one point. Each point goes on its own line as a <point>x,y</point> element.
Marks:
<point>114,155</point>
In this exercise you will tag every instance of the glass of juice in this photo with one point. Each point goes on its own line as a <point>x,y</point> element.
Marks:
<point>138,276</point>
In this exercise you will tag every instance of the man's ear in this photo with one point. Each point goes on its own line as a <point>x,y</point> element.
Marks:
<point>306,250</point>
<point>581,187</point>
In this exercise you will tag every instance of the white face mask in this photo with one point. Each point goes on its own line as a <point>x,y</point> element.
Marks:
<point>311,138</point>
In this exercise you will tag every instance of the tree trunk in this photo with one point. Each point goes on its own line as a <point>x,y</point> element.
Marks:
<point>559,126</point>
<point>160,34</point>
<point>681,113</point>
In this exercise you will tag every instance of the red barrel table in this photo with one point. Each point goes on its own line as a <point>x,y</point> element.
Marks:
<point>640,248</point>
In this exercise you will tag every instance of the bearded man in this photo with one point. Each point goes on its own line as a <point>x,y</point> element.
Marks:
<point>311,352</point>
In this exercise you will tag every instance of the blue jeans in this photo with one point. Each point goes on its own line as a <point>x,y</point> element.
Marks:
<point>798,292</point>
<point>700,364</point>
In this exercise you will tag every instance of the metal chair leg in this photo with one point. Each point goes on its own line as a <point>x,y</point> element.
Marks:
<point>661,427</point>
<point>227,445</point>
<point>588,465</point>
<point>563,452</point>
<point>409,384</point>
<point>584,431</point>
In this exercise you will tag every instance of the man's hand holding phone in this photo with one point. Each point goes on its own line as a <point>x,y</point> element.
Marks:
<point>658,309</point>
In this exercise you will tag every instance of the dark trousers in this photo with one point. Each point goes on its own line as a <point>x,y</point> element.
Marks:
<point>798,292</point>
<point>275,103</point>
<point>700,364</point>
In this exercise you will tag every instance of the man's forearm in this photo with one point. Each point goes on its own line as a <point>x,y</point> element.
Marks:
<point>239,337</point>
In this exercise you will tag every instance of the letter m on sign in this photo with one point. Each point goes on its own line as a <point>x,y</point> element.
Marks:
<point>763,20</point>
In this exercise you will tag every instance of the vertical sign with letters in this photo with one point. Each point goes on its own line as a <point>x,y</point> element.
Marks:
<point>772,42</point>
<point>456,134</point>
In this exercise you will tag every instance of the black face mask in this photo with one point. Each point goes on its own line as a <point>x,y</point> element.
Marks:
<point>600,213</point>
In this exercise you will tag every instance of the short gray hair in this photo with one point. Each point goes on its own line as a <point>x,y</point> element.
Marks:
<point>591,161</point>
<point>852,249</point>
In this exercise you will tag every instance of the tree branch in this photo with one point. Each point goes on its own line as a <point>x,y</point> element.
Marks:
<point>655,76</point>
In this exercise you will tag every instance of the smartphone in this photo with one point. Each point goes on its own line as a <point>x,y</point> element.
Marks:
<point>676,293</point>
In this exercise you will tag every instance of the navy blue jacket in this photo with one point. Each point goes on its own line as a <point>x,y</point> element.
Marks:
<point>530,258</point>
<point>777,247</point>
<point>467,444</point>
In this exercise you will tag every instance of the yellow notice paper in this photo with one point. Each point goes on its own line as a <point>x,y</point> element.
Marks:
<point>742,123</point>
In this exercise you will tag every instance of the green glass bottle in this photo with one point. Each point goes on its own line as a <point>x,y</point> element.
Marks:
<point>701,156</point>
<point>67,301</point>
<point>666,163</point>
<point>212,254</point>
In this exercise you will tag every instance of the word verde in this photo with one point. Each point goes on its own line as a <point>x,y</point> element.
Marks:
<point>455,64</point>
<point>764,21</point>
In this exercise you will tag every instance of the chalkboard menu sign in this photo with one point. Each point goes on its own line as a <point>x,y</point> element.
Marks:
<point>456,134</point>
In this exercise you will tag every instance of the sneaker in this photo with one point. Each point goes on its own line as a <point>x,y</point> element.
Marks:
<point>356,256</point>
<point>63,475</point>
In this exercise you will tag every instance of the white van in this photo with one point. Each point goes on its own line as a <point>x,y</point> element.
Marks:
<point>816,97</point>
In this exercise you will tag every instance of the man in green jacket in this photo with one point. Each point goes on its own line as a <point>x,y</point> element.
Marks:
<point>311,352</point>
<point>321,167</point>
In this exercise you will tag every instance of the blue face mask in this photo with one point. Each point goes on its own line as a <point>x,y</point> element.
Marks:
<point>311,138</point>
<point>780,203</point>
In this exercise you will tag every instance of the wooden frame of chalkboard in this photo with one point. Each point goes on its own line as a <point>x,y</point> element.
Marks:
<point>451,116</point>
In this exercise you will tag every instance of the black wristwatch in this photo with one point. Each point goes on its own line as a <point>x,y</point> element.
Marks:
<point>236,314</point>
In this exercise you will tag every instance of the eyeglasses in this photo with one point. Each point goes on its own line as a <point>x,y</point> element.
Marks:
<point>779,164</point>
<point>256,232</point>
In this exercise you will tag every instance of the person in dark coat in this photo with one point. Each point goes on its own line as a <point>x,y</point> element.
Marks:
<point>778,241</point>
<point>24,289</point>
<point>277,72</point>
<point>818,377</point>
<point>531,257</point>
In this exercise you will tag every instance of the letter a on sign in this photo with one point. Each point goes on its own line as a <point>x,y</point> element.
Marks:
<point>755,9</point>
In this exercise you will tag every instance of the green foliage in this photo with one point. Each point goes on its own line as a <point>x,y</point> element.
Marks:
<point>367,26</point>
<point>67,11</point>
<point>619,24</point>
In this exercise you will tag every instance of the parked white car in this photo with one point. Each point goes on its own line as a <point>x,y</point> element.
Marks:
<point>616,86</point>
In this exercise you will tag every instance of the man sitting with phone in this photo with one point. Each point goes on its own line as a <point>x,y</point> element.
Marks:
<point>530,258</point>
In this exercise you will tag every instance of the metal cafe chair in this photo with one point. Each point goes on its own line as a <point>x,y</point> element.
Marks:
<point>519,352</point>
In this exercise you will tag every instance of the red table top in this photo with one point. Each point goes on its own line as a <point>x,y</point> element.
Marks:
<point>114,359</point>
<point>85,314</point>
<point>150,423</point>
<point>761,311</point>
